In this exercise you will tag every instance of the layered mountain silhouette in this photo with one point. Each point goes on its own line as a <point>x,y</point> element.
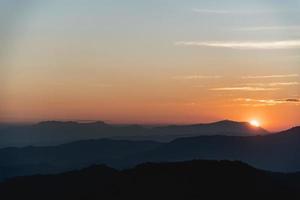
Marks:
<point>55,132</point>
<point>275,152</point>
<point>76,155</point>
<point>183,180</point>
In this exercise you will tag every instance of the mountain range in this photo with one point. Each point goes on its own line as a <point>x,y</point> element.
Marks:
<point>190,180</point>
<point>55,132</point>
<point>274,152</point>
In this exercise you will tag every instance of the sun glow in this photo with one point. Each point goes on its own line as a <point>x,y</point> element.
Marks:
<point>255,123</point>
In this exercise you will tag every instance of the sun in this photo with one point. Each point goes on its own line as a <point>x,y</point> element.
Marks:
<point>255,123</point>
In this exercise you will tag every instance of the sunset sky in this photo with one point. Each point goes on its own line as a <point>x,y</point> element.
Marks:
<point>150,61</point>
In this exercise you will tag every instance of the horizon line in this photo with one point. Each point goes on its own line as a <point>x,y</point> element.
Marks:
<point>142,124</point>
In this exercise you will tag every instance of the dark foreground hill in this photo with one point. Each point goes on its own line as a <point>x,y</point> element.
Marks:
<point>185,180</point>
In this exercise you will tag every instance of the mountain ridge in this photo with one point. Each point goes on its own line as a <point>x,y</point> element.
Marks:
<point>169,180</point>
<point>59,132</point>
<point>268,152</point>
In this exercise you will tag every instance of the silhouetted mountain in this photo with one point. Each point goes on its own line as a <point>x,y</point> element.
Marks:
<point>226,127</point>
<point>293,131</point>
<point>186,180</point>
<point>276,152</point>
<point>55,132</point>
<point>55,124</point>
<point>34,160</point>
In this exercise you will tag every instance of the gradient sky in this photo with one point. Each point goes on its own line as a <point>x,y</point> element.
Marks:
<point>158,61</point>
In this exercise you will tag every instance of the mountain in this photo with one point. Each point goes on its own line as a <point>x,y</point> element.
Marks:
<point>225,127</point>
<point>184,180</point>
<point>55,132</point>
<point>54,159</point>
<point>293,131</point>
<point>275,152</point>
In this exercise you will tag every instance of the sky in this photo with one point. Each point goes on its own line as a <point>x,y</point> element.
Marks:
<point>150,62</point>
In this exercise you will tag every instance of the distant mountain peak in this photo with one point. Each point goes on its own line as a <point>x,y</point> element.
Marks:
<point>235,124</point>
<point>227,121</point>
<point>296,128</point>
<point>59,123</point>
<point>53,123</point>
<point>96,123</point>
<point>292,131</point>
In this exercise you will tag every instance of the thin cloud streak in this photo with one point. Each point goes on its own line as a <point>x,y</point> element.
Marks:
<point>208,11</point>
<point>267,102</point>
<point>273,84</point>
<point>268,28</point>
<point>194,77</point>
<point>292,100</point>
<point>272,45</point>
<point>244,89</point>
<point>230,12</point>
<point>272,76</point>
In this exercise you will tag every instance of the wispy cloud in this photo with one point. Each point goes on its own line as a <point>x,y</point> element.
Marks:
<point>193,77</point>
<point>270,45</point>
<point>209,11</point>
<point>244,89</point>
<point>103,85</point>
<point>268,28</point>
<point>267,102</point>
<point>292,100</point>
<point>274,84</point>
<point>271,76</point>
<point>226,12</point>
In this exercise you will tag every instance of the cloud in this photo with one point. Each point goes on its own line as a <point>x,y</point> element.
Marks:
<point>260,102</point>
<point>271,76</point>
<point>268,28</point>
<point>208,11</point>
<point>193,77</point>
<point>267,102</point>
<point>244,89</point>
<point>273,84</point>
<point>230,12</point>
<point>292,100</point>
<point>103,85</point>
<point>251,45</point>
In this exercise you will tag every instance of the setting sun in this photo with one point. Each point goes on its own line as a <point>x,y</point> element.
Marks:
<point>255,123</point>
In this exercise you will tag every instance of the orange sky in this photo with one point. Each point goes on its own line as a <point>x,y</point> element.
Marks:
<point>174,63</point>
